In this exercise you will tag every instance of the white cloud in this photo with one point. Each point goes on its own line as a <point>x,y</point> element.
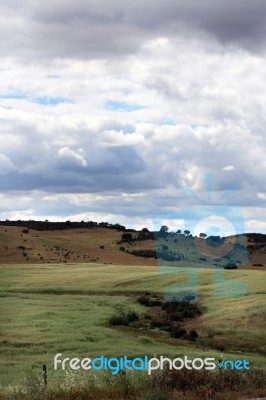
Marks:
<point>261,196</point>
<point>229,168</point>
<point>72,157</point>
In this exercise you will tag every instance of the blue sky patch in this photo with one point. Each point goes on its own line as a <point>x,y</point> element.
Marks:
<point>42,100</point>
<point>51,101</point>
<point>167,121</point>
<point>13,96</point>
<point>122,106</point>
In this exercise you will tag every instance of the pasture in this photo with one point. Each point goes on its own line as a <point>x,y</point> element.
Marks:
<point>51,308</point>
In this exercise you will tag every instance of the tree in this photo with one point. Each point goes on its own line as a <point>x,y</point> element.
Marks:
<point>179,231</point>
<point>164,228</point>
<point>127,237</point>
<point>186,232</point>
<point>202,235</point>
<point>145,230</point>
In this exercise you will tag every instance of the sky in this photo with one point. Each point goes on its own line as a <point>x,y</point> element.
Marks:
<point>133,112</point>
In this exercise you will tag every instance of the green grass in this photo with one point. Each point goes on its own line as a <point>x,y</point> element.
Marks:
<point>47,309</point>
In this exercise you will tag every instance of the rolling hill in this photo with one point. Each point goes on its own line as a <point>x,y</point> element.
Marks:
<point>46,242</point>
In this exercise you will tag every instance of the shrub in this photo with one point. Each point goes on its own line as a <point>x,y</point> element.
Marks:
<point>176,316</point>
<point>124,319</point>
<point>118,320</point>
<point>220,347</point>
<point>146,300</point>
<point>144,253</point>
<point>193,335</point>
<point>132,316</point>
<point>177,331</point>
<point>127,237</point>
<point>188,310</point>
<point>230,265</point>
<point>161,323</point>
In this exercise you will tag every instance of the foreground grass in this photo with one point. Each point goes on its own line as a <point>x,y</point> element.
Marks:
<point>163,385</point>
<point>47,309</point>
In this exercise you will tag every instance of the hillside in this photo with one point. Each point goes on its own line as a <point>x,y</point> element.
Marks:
<point>43,242</point>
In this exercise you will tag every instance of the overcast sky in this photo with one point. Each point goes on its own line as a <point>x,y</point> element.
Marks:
<point>109,109</point>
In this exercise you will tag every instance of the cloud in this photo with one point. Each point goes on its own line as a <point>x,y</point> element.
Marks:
<point>95,29</point>
<point>229,168</point>
<point>6,165</point>
<point>107,100</point>
<point>261,196</point>
<point>69,157</point>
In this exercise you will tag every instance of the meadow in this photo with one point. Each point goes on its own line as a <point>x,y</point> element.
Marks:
<point>50,308</point>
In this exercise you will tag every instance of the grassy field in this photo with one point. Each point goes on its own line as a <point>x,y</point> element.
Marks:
<point>46,309</point>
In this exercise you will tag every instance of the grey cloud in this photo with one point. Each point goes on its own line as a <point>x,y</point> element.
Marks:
<point>102,29</point>
<point>6,165</point>
<point>114,168</point>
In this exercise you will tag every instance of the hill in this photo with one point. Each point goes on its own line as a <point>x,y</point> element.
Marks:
<point>83,242</point>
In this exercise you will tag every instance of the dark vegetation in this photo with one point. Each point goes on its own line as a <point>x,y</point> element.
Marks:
<point>51,226</point>
<point>144,253</point>
<point>124,319</point>
<point>169,316</point>
<point>230,265</point>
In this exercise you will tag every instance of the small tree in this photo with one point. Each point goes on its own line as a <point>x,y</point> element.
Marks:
<point>186,232</point>
<point>202,235</point>
<point>179,231</point>
<point>164,228</point>
<point>145,230</point>
<point>127,237</point>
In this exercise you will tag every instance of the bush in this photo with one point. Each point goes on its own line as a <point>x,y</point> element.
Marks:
<point>177,331</point>
<point>144,253</point>
<point>119,320</point>
<point>124,319</point>
<point>132,316</point>
<point>127,237</point>
<point>220,347</point>
<point>186,309</point>
<point>146,300</point>
<point>176,316</point>
<point>193,335</point>
<point>230,265</point>
<point>161,323</point>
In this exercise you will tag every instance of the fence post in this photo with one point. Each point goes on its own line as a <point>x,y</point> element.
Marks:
<point>44,374</point>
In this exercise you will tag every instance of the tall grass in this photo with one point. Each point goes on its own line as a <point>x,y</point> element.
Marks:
<point>163,385</point>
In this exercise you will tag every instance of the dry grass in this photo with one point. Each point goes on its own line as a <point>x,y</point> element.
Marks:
<point>165,385</point>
